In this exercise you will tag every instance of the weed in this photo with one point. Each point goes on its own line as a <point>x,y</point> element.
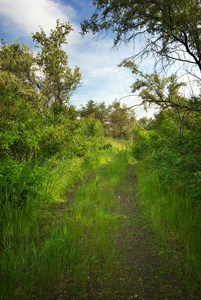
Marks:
<point>173,219</point>
<point>40,243</point>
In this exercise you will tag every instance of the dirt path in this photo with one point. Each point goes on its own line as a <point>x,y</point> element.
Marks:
<point>140,270</point>
<point>142,273</point>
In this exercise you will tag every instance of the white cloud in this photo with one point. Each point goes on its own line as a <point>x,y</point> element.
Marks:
<point>102,79</point>
<point>27,15</point>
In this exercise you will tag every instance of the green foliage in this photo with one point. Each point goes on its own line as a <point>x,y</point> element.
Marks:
<point>87,136</point>
<point>161,92</point>
<point>98,110</point>
<point>174,152</point>
<point>145,142</point>
<point>117,121</point>
<point>31,132</point>
<point>20,119</point>
<point>27,131</point>
<point>44,150</point>
<point>20,182</point>
<point>18,60</point>
<point>39,242</point>
<point>59,81</point>
<point>169,164</point>
<point>174,219</point>
<point>162,25</point>
<point>28,137</point>
<point>90,108</point>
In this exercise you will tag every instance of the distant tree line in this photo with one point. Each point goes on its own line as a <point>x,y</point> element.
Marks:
<point>117,120</point>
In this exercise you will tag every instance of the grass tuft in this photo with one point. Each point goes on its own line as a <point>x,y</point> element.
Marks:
<point>174,220</point>
<point>58,231</point>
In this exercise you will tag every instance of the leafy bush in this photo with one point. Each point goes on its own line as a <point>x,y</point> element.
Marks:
<point>29,134</point>
<point>20,182</point>
<point>174,149</point>
<point>145,142</point>
<point>20,119</point>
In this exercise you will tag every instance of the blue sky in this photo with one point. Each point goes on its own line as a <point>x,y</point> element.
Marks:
<point>102,80</point>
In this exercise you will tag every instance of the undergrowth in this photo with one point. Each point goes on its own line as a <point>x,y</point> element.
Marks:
<point>175,220</point>
<point>39,244</point>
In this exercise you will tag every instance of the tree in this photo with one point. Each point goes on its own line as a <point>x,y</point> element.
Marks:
<point>102,114</point>
<point>162,92</point>
<point>17,59</point>
<point>121,120</point>
<point>89,109</point>
<point>17,70</point>
<point>58,81</point>
<point>21,124</point>
<point>99,110</point>
<point>169,30</point>
<point>116,120</point>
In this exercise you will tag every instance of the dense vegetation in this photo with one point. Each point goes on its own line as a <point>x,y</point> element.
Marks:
<point>169,179</point>
<point>167,30</point>
<point>42,149</point>
<point>168,147</point>
<point>117,120</point>
<point>35,124</point>
<point>46,146</point>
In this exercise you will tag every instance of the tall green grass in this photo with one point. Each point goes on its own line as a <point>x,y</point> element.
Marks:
<point>173,218</point>
<point>40,243</point>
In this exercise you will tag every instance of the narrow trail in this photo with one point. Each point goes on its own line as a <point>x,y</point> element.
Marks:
<point>140,271</point>
<point>143,273</point>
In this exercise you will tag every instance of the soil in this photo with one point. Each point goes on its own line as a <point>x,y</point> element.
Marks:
<point>142,269</point>
<point>145,273</point>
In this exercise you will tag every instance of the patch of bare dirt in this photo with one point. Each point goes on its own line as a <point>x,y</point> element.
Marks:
<point>142,272</point>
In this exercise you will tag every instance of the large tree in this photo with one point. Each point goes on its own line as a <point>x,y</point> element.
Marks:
<point>168,29</point>
<point>16,58</point>
<point>17,71</point>
<point>121,120</point>
<point>99,110</point>
<point>58,80</point>
<point>90,109</point>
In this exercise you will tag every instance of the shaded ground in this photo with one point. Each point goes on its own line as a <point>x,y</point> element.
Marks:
<point>141,271</point>
<point>144,273</point>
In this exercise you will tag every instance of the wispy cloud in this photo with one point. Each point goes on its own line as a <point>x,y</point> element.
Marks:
<point>27,15</point>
